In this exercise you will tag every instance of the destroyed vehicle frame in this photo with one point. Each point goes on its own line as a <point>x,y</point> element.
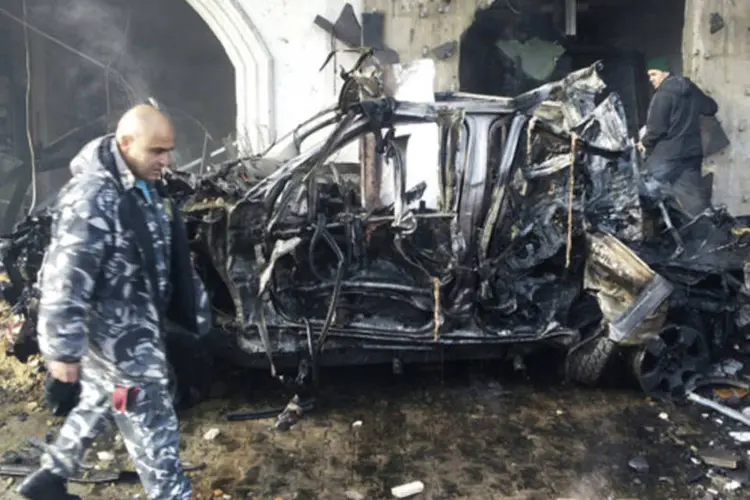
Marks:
<point>517,223</point>
<point>373,242</point>
<point>496,262</point>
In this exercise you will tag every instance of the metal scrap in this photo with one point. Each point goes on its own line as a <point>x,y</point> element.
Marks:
<point>571,184</point>
<point>445,50</point>
<point>348,30</point>
<point>720,458</point>
<point>724,410</point>
<point>716,23</point>
<point>88,476</point>
<point>436,298</point>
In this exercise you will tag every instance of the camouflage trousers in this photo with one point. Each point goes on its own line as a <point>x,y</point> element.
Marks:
<point>149,429</point>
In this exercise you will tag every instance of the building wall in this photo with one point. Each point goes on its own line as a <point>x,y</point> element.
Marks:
<point>413,26</point>
<point>720,64</point>
<point>297,49</point>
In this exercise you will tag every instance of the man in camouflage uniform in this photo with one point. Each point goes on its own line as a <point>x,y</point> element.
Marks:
<point>117,267</point>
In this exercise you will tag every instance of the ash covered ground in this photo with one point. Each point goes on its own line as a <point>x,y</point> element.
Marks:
<point>465,431</point>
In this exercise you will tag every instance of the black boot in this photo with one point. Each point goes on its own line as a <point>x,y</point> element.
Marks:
<point>44,485</point>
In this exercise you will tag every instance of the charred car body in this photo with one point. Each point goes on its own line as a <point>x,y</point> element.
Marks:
<point>531,224</point>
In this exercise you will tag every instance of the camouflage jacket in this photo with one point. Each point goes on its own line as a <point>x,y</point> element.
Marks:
<point>113,271</point>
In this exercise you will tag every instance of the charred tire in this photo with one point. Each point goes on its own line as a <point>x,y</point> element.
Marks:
<point>668,362</point>
<point>587,361</point>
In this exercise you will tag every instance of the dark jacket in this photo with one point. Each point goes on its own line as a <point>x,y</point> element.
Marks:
<point>673,130</point>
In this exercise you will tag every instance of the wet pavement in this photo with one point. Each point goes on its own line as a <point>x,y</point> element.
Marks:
<point>465,431</point>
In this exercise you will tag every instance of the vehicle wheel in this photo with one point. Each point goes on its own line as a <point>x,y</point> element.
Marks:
<point>587,361</point>
<point>667,362</point>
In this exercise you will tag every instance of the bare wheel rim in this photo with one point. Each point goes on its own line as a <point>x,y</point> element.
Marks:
<point>669,360</point>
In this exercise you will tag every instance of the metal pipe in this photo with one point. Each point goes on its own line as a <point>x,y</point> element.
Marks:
<point>571,12</point>
<point>725,410</point>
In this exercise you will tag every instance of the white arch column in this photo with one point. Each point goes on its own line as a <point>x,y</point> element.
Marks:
<point>253,66</point>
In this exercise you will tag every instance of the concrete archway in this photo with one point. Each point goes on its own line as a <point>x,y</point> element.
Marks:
<point>253,65</point>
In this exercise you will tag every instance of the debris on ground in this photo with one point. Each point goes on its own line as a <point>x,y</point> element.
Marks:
<point>723,409</point>
<point>408,489</point>
<point>353,495</point>
<point>105,456</point>
<point>639,464</point>
<point>720,458</point>
<point>742,437</point>
<point>732,486</point>
<point>87,475</point>
<point>211,434</point>
<point>726,367</point>
<point>20,378</point>
<point>731,394</point>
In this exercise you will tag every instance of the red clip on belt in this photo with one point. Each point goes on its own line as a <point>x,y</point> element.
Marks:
<point>121,397</point>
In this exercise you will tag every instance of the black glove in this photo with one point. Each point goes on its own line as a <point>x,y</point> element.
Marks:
<point>61,397</point>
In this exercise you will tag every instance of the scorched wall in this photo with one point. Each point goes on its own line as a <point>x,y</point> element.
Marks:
<point>720,64</point>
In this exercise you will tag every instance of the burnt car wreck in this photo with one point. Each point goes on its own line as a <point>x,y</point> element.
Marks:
<point>533,226</point>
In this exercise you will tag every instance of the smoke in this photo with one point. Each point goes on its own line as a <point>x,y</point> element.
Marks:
<point>99,29</point>
<point>103,56</point>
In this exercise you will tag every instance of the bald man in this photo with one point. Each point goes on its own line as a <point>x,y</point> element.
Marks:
<point>118,265</point>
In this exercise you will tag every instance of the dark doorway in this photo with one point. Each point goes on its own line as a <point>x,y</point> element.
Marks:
<point>514,46</point>
<point>88,61</point>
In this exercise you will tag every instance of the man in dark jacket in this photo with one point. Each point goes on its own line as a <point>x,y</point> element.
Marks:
<point>117,265</point>
<point>673,136</point>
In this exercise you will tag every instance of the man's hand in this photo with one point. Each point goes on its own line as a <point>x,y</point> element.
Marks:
<point>64,372</point>
<point>60,397</point>
<point>640,147</point>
